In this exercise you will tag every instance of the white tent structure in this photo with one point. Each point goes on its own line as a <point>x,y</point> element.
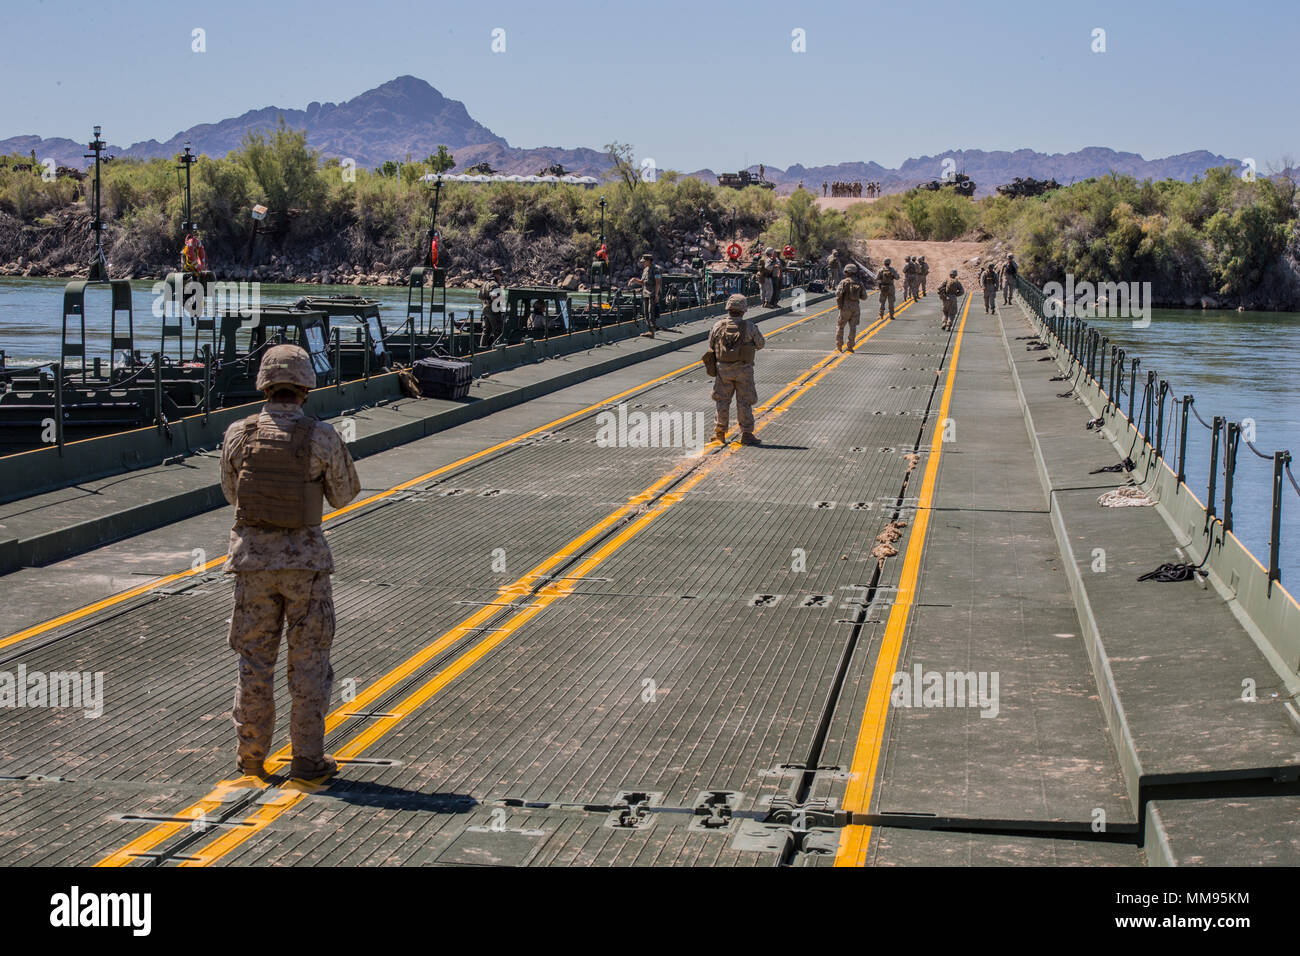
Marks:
<point>587,181</point>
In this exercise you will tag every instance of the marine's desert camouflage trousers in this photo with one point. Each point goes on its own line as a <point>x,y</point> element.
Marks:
<point>949,310</point>
<point>849,319</point>
<point>887,301</point>
<point>493,325</point>
<point>990,298</point>
<point>264,602</point>
<point>735,378</point>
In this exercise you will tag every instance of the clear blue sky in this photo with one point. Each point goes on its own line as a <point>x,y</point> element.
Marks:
<point>879,81</point>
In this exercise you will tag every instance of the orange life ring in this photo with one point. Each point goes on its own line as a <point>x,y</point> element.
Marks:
<point>788,252</point>
<point>602,253</point>
<point>193,255</point>
<point>433,251</point>
<point>734,251</point>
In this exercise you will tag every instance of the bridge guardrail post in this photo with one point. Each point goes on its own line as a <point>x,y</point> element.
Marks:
<point>1149,399</point>
<point>1110,395</point>
<point>1160,419</point>
<point>1101,365</point>
<point>1132,387</point>
<point>158,391</point>
<point>207,382</point>
<point>1280,460</point>
<point>58,406</point>
<point>338,357</point>
<point>1211,505</point>
<point>1229,470</point>
<point>1182,440</point>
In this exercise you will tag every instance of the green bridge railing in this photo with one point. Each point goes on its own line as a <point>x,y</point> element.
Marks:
<point>1116,375</point>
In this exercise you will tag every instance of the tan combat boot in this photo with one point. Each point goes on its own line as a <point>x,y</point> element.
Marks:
<point>749,438</point>
<point>304,768</point>
<point>720,435</point>
<point>248,767</point>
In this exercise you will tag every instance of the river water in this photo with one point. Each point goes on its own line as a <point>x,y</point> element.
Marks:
<point>1239,365</point>
<point>1242,366</point>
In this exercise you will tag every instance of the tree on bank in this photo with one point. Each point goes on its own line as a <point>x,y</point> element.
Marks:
<point>441,161</point>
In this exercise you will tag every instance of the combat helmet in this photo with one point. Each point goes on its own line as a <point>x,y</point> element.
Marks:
<point>737,304</point>
<point>286,365</point>
<point>851,269</point>
<point>953,273</point>
<point>886,262</point>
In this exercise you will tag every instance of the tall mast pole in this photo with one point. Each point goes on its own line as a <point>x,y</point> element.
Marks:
<point>433,224</point>
<point>187,160</point>
<point>99,266</point>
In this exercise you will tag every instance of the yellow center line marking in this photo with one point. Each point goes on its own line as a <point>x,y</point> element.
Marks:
<point>266,814</point>
<point>380,727</point>
<point>854,838</point>
<point>46,626</point>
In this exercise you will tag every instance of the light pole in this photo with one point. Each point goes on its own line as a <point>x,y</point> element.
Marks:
<point>99,267</point>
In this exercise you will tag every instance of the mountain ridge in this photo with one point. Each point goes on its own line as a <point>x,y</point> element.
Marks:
<point>408,116</point>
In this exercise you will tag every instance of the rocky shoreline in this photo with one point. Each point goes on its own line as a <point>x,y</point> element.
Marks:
<point>61,247</point>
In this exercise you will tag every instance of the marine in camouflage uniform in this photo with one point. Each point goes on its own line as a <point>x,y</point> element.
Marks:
<point>1009,271</point>
<point>989,280</point>
<point>909,277</point>
<point>650,287</point>
<point>848,294</point>
<point>733,341</point>
<point>778,271</point>
<point>493,320</point>
<point>834,268</point>
<point>950,293</point>
<point>923,270</point>
<point>886,278</point>
<point>766,276</point>
<point>276,467</point>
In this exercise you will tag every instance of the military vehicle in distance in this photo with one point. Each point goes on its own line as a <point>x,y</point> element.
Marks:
<point>1028,186</point>
<point>961,184</point>
<point>744,178</point>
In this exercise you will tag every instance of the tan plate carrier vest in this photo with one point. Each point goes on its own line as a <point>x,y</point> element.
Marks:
<point>733,345</point>
<point>275,488</point>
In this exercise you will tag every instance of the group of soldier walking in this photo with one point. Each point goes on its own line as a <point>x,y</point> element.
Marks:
<point>850,291</point>
<point>280,466</point>
<point>992,278</point>
<point>850,190</point>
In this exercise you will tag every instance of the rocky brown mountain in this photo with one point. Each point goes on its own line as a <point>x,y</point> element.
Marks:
<point>407,116</point>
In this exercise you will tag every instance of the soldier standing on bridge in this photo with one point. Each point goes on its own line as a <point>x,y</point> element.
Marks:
<point>733,341</point>
<point>909,277</point>
<point>764,276</point>
<point>1009,278</point>
<point>778,271</point>
<point>277,467</point>
<point>950,292</point>
<point>886,278</point>
<point>923,270</point>
<point>848,294</point>
<point>650,284</point>
<point>493,307</point>
<point>989,280</point>
<point>833,268</point>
